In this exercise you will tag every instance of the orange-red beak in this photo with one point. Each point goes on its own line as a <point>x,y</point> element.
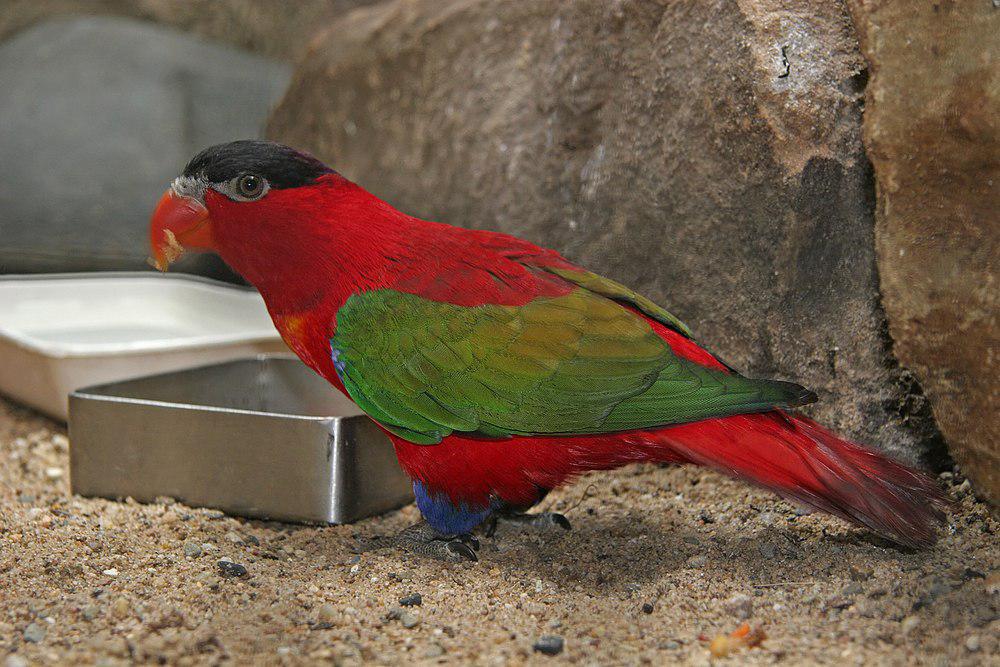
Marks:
<point>179,223</point>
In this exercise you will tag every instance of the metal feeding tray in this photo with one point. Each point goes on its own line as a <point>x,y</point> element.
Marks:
<point>59,332</point>
<point>262,437</point>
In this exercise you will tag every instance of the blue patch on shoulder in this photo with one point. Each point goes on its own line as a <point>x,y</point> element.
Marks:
<point>338,363</point>
<point>447,517</point>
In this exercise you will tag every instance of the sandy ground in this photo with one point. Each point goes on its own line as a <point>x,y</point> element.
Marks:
<point>660,561</point>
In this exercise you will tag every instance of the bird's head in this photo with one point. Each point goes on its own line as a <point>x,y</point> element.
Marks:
<point>234,196</point>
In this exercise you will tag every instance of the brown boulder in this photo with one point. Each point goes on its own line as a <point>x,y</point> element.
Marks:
<point>708,153</point>
<point>932,126</point>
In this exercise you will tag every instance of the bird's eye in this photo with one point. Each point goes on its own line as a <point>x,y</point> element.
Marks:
<point>250,186</point>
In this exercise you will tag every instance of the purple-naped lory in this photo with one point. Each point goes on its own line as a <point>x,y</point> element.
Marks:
<point>499,369</point>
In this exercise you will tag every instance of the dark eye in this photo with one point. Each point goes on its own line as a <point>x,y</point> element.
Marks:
<point>250,186</point>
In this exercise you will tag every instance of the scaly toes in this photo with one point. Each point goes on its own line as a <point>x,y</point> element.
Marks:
<point>423,540</point>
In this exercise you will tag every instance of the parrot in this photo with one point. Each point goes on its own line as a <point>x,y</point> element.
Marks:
<point>499,369</point>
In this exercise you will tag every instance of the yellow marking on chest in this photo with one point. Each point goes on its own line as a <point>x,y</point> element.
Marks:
<point>292,328</point>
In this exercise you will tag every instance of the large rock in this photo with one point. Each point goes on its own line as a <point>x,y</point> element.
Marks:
<point>271,27</point>
<point>99,115</point>
<point>708,153</point>
<point>933,128</point>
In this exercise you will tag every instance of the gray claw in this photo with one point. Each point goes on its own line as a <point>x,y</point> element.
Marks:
<point>561,521</point>
<point>461,550</point>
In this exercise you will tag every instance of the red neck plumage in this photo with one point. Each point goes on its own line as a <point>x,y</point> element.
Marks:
<point>312,247</point>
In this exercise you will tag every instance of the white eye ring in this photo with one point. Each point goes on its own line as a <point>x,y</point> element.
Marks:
<point>247,187</point>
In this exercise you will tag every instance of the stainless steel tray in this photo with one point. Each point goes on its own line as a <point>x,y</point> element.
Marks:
<point>262,437</point>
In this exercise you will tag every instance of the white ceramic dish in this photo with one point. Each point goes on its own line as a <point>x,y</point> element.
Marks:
<point>60,332</point>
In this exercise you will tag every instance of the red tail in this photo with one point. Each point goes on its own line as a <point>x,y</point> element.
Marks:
<point>799,459</point>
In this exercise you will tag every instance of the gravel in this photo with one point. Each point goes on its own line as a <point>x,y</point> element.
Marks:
<point>643,543</point>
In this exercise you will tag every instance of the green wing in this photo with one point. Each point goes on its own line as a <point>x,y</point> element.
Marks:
<point>571,364</point>
<point>618,292</point>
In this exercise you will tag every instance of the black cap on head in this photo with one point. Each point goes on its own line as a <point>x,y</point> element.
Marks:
<point>283,167</point>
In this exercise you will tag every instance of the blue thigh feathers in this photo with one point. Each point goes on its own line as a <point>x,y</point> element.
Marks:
<point>446,517</point>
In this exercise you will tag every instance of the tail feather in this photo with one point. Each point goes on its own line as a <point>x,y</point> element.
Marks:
<point>800,460</point>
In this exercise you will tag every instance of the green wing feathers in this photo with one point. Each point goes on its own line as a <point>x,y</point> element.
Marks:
<point>572,364</point>
<point>618,292</point>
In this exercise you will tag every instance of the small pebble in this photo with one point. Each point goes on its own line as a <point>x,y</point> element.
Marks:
<point>208,547</point>
<point>696,561</point>
<point>24,499</point>
<point>671,645</point>
<point>120,608</point>
<point>740,606</point>
<point>768,550</point>
<point>407,619</point>
<point>412,600</point>
<point>909,624</point>
<point>229,569</point>
<point>973,643</point>
<point>326,615</point>
<point>34,633</point>
<point>53,473</point>
<point>434,651</point>
<point>647,607</point>
<point>111,572</point>
<point>14,660</point>
<point>234,538</point>
<point>861,574</point>
<point>853,588</point>
<point>192,550</point>
<point>549,645</point>
<point>89,612</point>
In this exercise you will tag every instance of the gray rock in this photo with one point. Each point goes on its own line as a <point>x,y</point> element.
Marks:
<point>14,660</point>
<point>411,600</point>
<point>99,115</point>
<point>549,645</point>
<point>723,186</point>
<point>192,550</point>
<point>406,618</point>
<point>35,632</point>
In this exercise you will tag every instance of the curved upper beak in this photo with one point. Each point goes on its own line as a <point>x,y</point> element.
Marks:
<point>179,223</point>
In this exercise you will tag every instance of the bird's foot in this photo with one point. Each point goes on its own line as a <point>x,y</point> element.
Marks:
<point>543,520</point>
<point>423,540</point>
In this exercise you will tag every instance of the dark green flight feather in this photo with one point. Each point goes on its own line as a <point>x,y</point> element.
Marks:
<point>572,364</point>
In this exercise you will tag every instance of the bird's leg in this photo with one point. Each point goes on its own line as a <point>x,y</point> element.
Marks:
<point>423,540</point>
<point>541,520</point>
